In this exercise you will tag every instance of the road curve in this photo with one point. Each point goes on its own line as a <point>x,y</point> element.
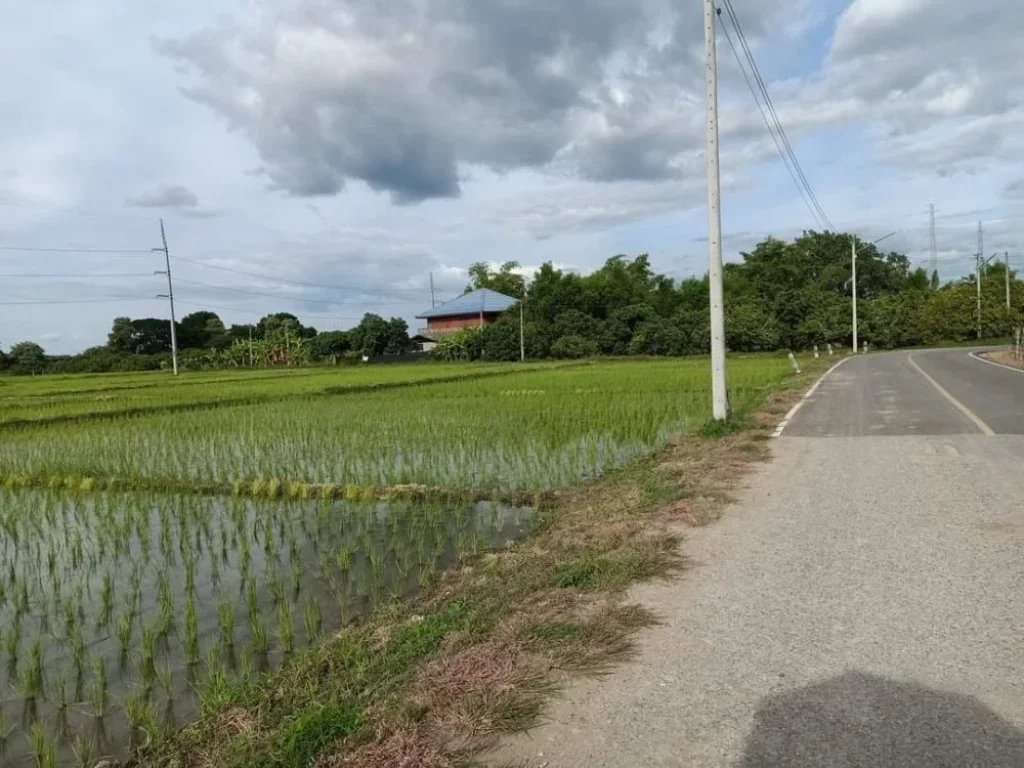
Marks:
<point>862,604</point>
<point>914,393</point>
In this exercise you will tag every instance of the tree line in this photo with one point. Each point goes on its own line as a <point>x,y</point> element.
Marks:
<point>204,341</point>
<point>782,295</point>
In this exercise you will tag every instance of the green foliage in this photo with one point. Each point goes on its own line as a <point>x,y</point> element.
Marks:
<point>27,357</point>
<point>314,730</point>
<point>503,280</point>
<point>574,347</point>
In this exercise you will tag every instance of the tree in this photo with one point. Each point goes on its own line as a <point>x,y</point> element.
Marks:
<point>398,342</point>
<point>330,345</point>
<point>283,324</point>
<point>151,336</point>
<point>574,347</point>
<point>27,357</point>
<point>122,335</point>
<point>503,280</point>
<point>202,330</point>
<point>371,336</point>
<point>501,339</point>
<point>750,327</point>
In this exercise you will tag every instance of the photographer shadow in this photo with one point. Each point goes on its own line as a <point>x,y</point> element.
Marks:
<point>872,722</point>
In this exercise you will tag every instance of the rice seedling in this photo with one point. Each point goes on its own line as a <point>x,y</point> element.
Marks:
<point>191,632</point>
<point>84,750</point>
<point>123,628</point>
<point>140,712</point>
<point>312,619</point>
<point>98,692</point>
<point>226,620</point>
<point>285,627</point>
<point>43,748</point>
<point>30,679</point>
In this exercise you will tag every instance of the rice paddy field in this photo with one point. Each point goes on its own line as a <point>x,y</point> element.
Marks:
<point>162,537</point>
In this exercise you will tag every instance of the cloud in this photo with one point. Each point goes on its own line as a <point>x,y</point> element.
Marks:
<point>405,96</point>
<point>1014,190</point>
<point>165,196</point>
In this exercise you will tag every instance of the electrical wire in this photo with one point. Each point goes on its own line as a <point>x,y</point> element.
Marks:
<point>276,279</point>
<point>136,252</point>
<point>75,301</point>
<point>257,312</point>
<point>292,298</point>
<point>781,140</point>
<point>83,274</point>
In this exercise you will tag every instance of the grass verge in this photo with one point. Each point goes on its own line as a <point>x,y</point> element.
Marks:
<point>430,685</point>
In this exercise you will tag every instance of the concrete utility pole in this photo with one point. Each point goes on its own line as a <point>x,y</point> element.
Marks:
<point>853,280</point>
<point>1006,263</point>
<point>432,304</point>
<point>719,391</point>
<point>934,248</point>
<point>853,287</point>
<point>522,333</point>
<point>977,272</point>
<point>169,296</point>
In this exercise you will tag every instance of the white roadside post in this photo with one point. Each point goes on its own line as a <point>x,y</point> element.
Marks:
<point>816,355</point>
<point>794,363</point>
<point>830,353</point>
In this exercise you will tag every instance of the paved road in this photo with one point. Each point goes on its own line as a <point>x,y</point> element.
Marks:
<point>861,605</point>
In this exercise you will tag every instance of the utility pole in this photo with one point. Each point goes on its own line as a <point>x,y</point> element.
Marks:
<point>1006,263</point>
<point>719,391</point>
<point>853,287</point>
<point>522,331</point>
<point>250,347</point>
<point>432,303</point>
<point>977,272</point>
<point>169,296</point>
<point>934,265</point>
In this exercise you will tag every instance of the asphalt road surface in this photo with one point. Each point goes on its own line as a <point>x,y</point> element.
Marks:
<point>861,605</point>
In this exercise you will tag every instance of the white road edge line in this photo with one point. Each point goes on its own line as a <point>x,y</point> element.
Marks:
<point>985,428</point>
<point>792,411</point>
<point>977,356</point>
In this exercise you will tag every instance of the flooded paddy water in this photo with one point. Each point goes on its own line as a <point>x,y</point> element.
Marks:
<point>119,610</point>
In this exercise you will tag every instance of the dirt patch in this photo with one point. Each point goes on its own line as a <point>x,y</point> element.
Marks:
<point>1005,357</point>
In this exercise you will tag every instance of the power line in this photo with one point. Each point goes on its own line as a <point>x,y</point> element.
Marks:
<point>292,298</point>
<point>74,250</point>
<point>785,148</point>
<point>259,312</point>
<point>276,279</point>
<point>76,301</point>
<point>82,274</point>
<point>767,124</point>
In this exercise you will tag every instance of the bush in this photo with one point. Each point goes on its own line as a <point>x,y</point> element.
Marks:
<point>574,347</point>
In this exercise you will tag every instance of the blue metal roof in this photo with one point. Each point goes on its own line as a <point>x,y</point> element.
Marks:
<point>483,300</point>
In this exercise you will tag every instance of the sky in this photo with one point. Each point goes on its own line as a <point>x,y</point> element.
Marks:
<point>326,157</point>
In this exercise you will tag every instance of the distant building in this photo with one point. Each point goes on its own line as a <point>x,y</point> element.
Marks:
<point>472,310</point>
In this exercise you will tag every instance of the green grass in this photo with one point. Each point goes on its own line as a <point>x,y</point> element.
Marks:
<point>22,400</point>
<point>531,430</point>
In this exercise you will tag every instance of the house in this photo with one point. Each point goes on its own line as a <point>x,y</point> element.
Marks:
<point>471,310</point>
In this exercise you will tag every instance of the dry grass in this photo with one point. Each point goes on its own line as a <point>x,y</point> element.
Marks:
<point>402,748</point>
<point>1005,357</point>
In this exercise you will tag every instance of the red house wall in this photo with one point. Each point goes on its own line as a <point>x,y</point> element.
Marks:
<point>455,322</point>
